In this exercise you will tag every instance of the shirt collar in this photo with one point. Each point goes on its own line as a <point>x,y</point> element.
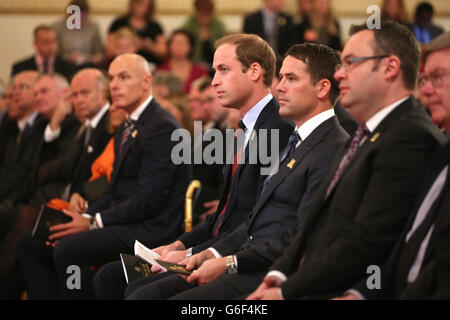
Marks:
<point>309,126</point>
<point>252,115</point>
<point>137,113</point>
<point>96,119</point>
<point>21,124</point>
<point>40,60</point>
<point>375,120</point>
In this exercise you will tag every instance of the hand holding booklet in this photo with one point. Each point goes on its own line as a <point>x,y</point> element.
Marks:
<point>47,218</point>
<point>139,266</point>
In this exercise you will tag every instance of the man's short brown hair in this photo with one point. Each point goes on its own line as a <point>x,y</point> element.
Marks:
<point>321,63</point>
<point>395,39</point>
<point>250,49</point>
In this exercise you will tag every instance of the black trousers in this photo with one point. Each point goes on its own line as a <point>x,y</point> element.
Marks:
<point>65,272</point>
<point>174,287</point>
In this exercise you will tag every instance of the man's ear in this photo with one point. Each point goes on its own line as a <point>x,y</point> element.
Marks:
<point>147,81</point>
<point>255,71</point>
<point>392,67</point>
<point>323,87</point>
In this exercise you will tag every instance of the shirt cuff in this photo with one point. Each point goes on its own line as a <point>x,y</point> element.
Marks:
<point>356,293</point>
<point>49,135</point>
<point>98,219</point>
<point>277,274</point>
<point>215,253</point>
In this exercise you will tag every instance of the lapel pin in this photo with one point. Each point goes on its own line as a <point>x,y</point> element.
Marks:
<point>281,21</point>
<point>290,165</point>
<point>134,134</point>
<point>375,137</point>
<point>90,149</point>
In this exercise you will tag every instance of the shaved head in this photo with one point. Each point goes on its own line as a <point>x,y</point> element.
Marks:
<point>130,81</point>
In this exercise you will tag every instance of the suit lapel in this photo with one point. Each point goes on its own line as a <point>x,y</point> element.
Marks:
<point>131,141</point>
<point>234,182</point>
<point>372,140</point>
<point>285,169</point>
<point>440,221</point>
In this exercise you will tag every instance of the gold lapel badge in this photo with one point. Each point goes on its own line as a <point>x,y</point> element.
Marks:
<point>134,134</point>
<point>281,21</point>
<point>375,137</point>
<point>290,165</point>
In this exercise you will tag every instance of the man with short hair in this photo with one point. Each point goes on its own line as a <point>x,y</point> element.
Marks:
<point>209,174</point>
<point>235,265</point>
<point>23,203</point>
<point>418,266</point>
<point>71,171</point>
<point>273,25</point>
<point>19,155</point>
<point>361,207</point>
<point>144,201</point>
<point>7,125</point>
<point>45,60</point>
<point>244,66</point>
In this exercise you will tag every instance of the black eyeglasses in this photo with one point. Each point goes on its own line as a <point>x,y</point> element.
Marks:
<point>436,78</point>
<point>350,61</point>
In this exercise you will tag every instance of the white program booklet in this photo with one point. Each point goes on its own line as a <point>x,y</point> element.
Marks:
<point>146,254</point>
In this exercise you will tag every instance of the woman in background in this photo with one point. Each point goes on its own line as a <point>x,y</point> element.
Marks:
<point>321,26</point>
<point>394,10</point>
<point>140,20</point>
<point>181,48</point>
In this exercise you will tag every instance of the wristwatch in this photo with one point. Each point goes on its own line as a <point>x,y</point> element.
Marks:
<point>92,223</point>
<point>230,266</point>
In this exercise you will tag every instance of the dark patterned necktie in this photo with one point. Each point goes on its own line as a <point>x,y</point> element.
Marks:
<point>233,170</point>
<point>128,127</point>
<point>294,138</point>
<point>360,133</point>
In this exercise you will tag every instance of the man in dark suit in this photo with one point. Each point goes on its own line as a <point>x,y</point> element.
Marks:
<point>418,267</point>
<point>363,204</point>
<point>423,27</point>
<point>274,26</point>
<point>45,60</point>
<point>69,171</point>
<point>20,152</point>
<point>242,81</point>
<point>307,92</point>
<point>143,202</point>
<point>209,174</point>
<point>7,125</point>
<point>48,90</point>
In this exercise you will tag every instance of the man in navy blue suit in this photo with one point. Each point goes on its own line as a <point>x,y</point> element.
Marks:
<point>144,201</point>
<point>418,266</point>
